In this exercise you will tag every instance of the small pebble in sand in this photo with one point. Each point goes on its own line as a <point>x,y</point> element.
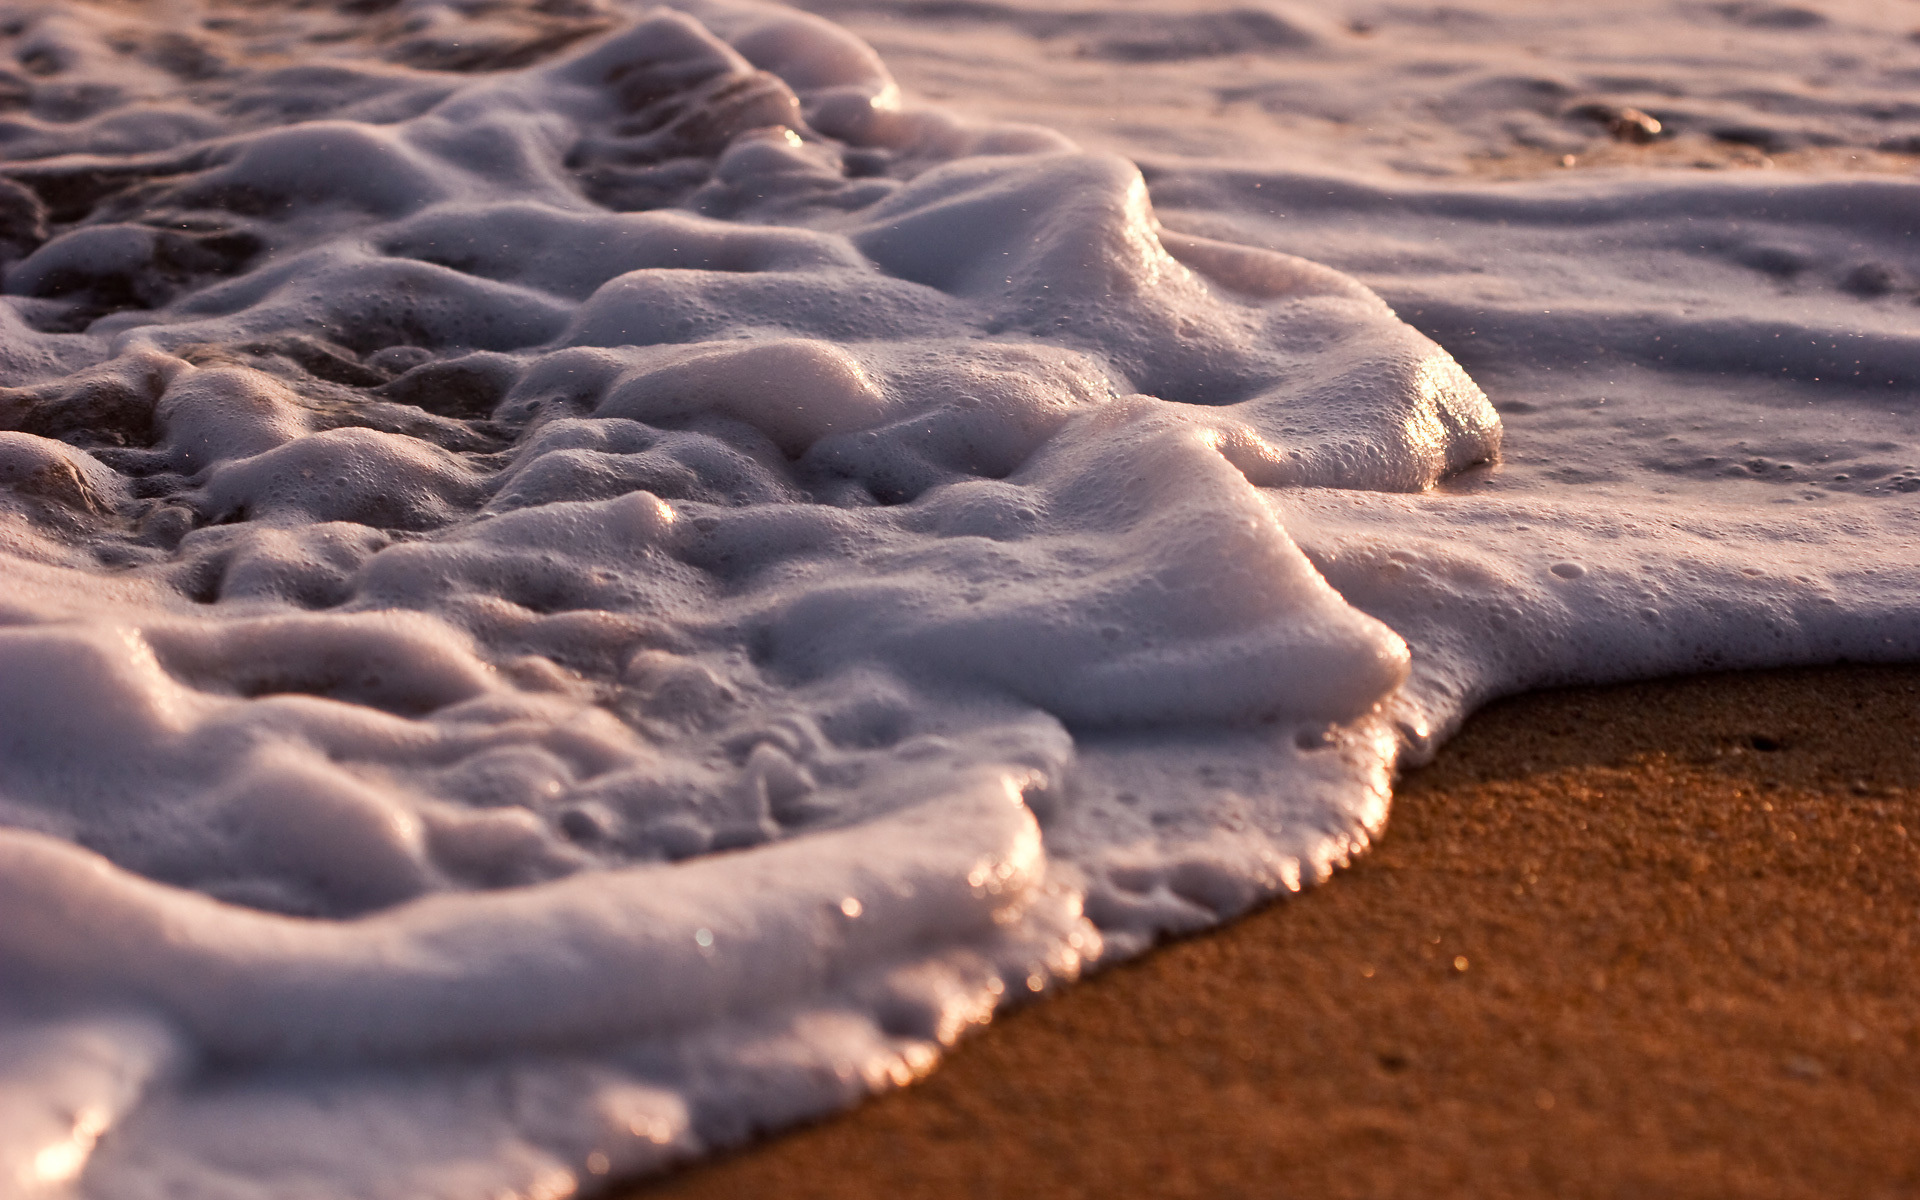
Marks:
<point>1625,124</point>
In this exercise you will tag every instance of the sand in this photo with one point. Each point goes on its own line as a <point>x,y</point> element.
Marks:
<point>1652,940</point>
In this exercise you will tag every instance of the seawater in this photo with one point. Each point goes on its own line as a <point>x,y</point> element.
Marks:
<point>584,582</point>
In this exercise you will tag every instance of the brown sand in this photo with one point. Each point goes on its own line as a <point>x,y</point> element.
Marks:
<point>1643,941</point>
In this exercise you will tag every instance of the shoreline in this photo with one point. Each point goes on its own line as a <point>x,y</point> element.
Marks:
<point>1643,939</point>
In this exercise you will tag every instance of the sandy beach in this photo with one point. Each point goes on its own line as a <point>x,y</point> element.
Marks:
<point>1652,940</point>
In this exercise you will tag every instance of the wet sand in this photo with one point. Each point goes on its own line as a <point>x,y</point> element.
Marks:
<point>1653,940</point>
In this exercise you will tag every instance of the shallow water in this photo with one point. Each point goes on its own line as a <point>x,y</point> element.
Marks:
<point>584,582</point>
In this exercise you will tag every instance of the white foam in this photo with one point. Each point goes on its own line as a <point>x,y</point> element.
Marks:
<point>583,586</point>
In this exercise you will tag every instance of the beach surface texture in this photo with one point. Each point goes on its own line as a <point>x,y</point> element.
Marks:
<point>584,582</point>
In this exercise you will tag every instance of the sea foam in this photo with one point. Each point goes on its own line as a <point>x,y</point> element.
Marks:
<point>585,583</point>
<point>567,608</point>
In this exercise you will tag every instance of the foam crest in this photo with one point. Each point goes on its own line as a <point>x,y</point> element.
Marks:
<point>580,962</point>
<point>793,390</point>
